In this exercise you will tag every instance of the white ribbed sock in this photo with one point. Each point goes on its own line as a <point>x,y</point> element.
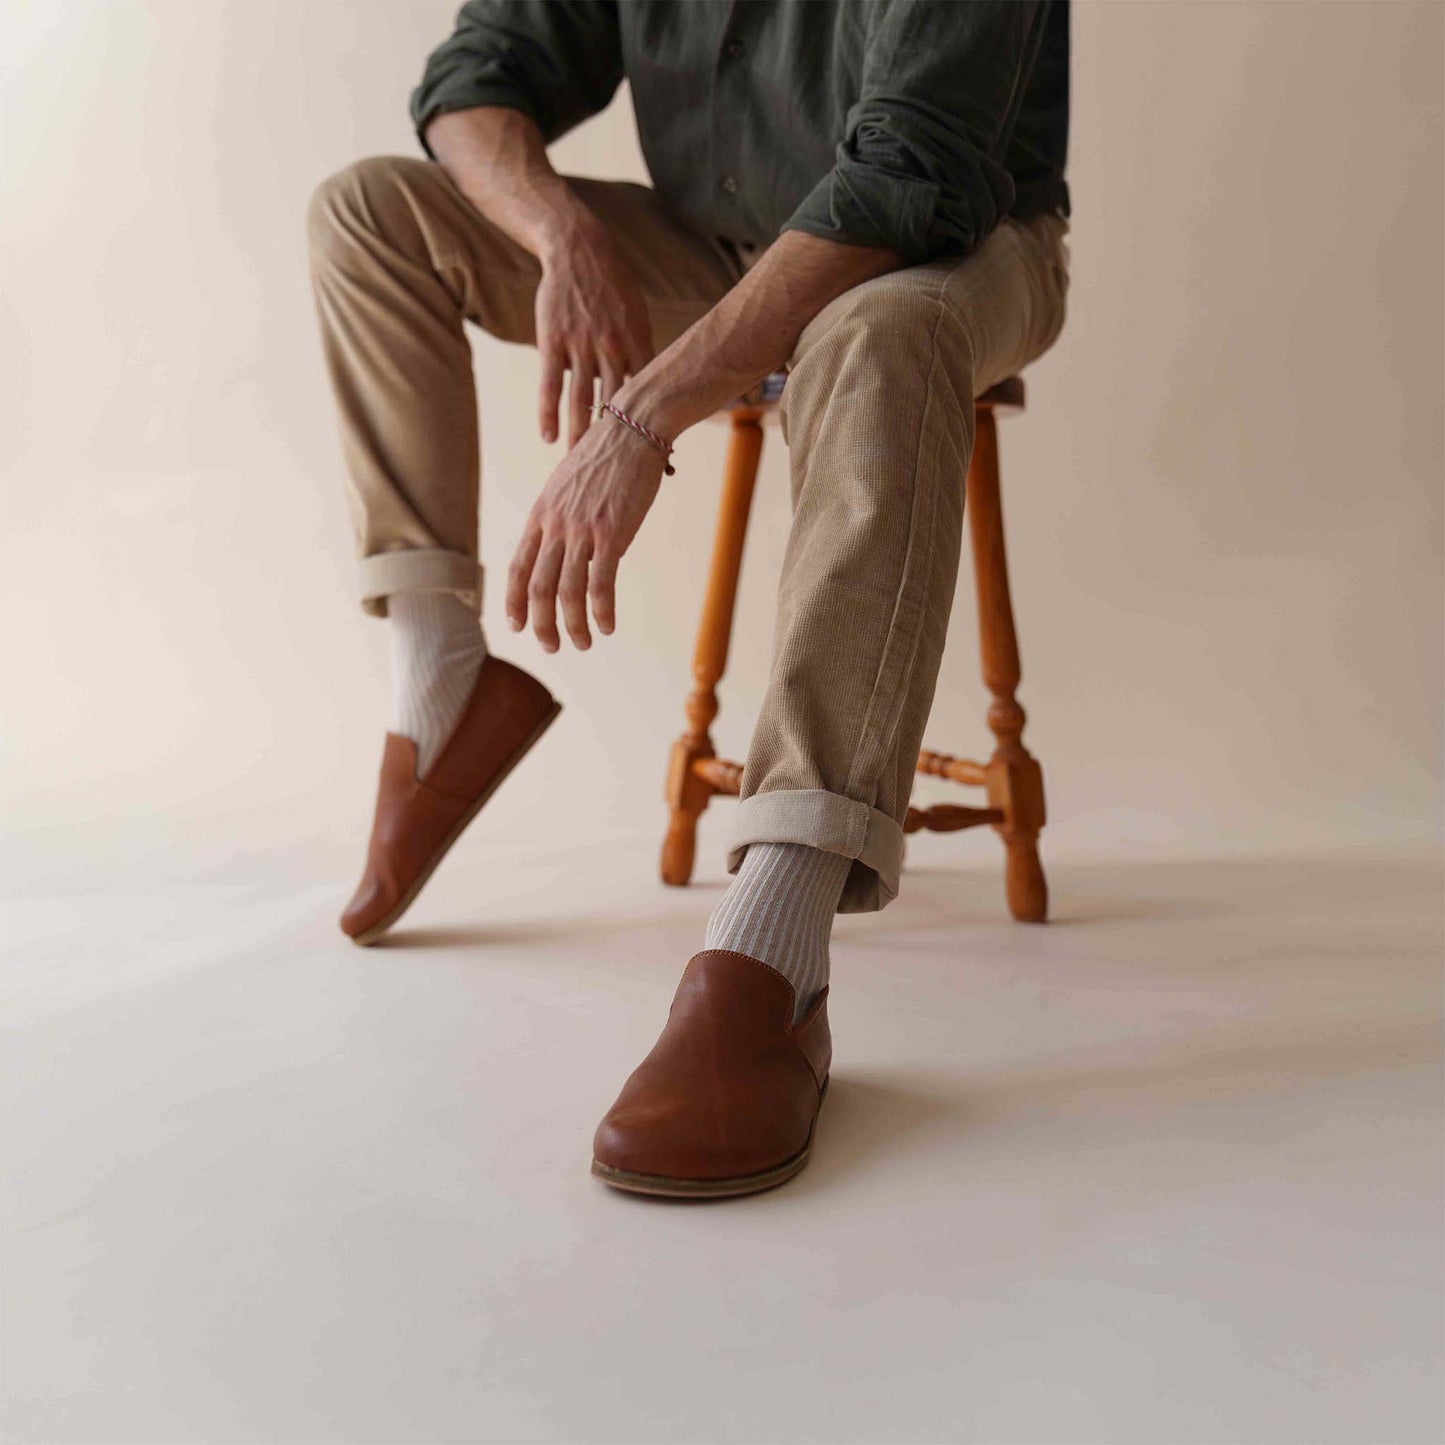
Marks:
<point>437,649</point>
<point>780,908</point>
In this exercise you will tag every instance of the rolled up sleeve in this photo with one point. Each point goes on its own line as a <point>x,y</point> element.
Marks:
<point>556,61</point>
<point>921,168</point>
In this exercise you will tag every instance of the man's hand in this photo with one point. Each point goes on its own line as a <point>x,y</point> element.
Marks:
<point>593,504</point>
<point>580,525</point>
<point>591,321</point>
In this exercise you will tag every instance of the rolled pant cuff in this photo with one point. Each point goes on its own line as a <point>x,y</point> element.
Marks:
<point>836,825</point>
<point>419,570</point>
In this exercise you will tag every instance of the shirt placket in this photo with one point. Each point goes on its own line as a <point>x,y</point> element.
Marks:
<point>725,175</point>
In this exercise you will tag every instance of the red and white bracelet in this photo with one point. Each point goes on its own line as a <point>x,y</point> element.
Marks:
<point>646,433</point>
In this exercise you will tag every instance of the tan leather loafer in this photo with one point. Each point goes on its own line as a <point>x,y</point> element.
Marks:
<point>418,819</point>
<point>727,1100</point>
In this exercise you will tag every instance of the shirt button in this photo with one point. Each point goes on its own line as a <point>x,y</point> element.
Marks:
<point>735,48</point>
<point>730,185</point>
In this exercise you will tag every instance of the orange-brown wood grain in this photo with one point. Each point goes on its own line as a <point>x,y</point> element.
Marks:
<point>687,791</point>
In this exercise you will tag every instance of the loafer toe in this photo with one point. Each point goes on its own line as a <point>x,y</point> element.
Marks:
<point>687,1142</point>
<point>726,1101</point>
<point>369,905</point>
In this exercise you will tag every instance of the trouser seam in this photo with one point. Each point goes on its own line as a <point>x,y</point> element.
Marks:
<point>870,728</point>
<point>907,679</point>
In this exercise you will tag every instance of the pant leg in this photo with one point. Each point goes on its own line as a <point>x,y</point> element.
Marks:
<point>399,261</point>
<point>879,421</point>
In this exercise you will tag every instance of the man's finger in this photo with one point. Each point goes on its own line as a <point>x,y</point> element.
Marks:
<point>520,573</point>
<point>584,376</point>
<point>573,592</point>
<point>542,592</point>
<point>553,365</point>
<point>602,590</point>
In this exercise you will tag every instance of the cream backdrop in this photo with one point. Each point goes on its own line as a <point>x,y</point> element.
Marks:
<point>1224,503</point>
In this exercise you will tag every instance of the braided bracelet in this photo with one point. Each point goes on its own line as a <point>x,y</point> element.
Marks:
<point>646,433</point>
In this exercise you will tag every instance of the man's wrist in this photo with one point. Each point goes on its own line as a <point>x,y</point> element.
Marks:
<point>650,401</point>
<point>566,224</point>
<point>638,431</point>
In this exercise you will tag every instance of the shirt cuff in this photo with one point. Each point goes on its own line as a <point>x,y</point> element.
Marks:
<point>862,205</point>
<point>428,102</point>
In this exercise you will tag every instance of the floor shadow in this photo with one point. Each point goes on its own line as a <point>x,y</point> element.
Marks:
<point>1075,912</point>
<point>1127,890</point>
<point>481,935</point>
<point>961,919</point>
<point>866,1118</point>
<point>870,1121</point>
<point>938,896</point>
<point>584,927</point>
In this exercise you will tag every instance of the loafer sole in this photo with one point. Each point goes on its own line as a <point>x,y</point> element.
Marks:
<point>370,935</point>
<point>663,1186</point>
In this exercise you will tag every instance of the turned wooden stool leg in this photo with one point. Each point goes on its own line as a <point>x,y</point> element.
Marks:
<point>1014,779</point>
<point>687,793</point>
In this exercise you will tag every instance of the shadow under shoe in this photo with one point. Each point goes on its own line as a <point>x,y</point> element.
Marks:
<point>726,1101</point>
<point>418,819</point>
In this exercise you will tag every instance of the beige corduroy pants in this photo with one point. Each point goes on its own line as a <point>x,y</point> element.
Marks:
<point>877,415</point>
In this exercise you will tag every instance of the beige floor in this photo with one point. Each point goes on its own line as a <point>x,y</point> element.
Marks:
<point>1167,1170</point>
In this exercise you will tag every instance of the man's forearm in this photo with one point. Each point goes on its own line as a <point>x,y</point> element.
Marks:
<point>496,158</point>
<point>750,332</point>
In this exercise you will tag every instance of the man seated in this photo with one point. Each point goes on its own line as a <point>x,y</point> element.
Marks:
<point>869,193</point>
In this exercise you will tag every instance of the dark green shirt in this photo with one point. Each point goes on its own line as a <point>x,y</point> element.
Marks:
<point>915,124</point>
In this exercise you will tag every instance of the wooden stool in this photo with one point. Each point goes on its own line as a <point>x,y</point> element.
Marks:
<point>1012,778</point>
